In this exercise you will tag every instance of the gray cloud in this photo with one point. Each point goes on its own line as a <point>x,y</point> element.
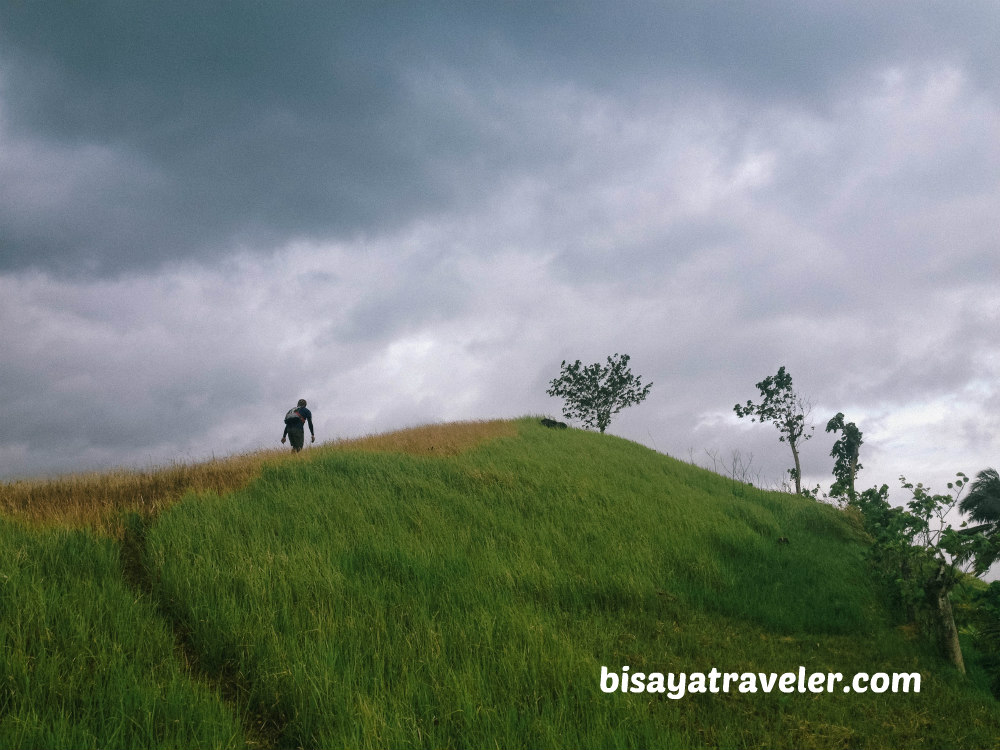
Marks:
<point>414,213</point>
<point>151,133</point>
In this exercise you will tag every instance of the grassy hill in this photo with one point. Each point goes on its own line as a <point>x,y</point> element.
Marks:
<point>458,585</point>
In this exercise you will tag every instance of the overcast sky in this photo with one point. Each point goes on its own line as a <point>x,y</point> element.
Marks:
<point>413,212</point>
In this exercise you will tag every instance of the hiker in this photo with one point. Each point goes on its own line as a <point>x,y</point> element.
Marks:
<point>295,421</point>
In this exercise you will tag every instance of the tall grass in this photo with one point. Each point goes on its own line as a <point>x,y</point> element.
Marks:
<point>389,600</point>
<point>84,663</point>
<point>445,586</point>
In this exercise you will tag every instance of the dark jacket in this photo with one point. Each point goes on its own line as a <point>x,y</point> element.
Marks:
<point>305,416</point>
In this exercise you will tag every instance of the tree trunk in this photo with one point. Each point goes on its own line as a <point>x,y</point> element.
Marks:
<point>946,630</point>
<point>949,633</point>
<point>798,468</point>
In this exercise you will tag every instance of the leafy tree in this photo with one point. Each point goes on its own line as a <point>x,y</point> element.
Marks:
<point>593,394</point>
<point>781,405</point>
<point>845,454</point>
<point>917,549</point>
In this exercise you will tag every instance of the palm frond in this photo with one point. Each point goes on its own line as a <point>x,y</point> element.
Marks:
<point>983,501</point>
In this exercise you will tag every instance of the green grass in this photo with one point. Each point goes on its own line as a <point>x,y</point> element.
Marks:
<point>87,664</point>
<point>384,599</point>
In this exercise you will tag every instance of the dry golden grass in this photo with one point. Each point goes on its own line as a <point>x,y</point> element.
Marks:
<point>432,440</point>
<point>97,500</point>
<point>90,499</point>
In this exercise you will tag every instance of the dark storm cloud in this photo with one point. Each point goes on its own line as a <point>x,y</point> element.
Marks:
<point>139,133</point>
<point>413,212</point>
<point>228,125</point>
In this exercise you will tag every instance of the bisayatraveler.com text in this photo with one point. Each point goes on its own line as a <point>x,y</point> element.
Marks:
<point>678,684</point>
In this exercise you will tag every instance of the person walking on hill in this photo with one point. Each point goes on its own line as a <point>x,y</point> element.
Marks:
<point>295,421</point>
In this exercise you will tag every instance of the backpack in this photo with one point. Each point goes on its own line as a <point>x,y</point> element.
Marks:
<point>293,417</point>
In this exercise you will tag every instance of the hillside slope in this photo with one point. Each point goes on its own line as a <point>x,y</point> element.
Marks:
<point>365,597</point>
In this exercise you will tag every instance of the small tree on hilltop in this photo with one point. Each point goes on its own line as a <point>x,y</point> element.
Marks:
<point>781,405</point>
<point>593,394</point>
